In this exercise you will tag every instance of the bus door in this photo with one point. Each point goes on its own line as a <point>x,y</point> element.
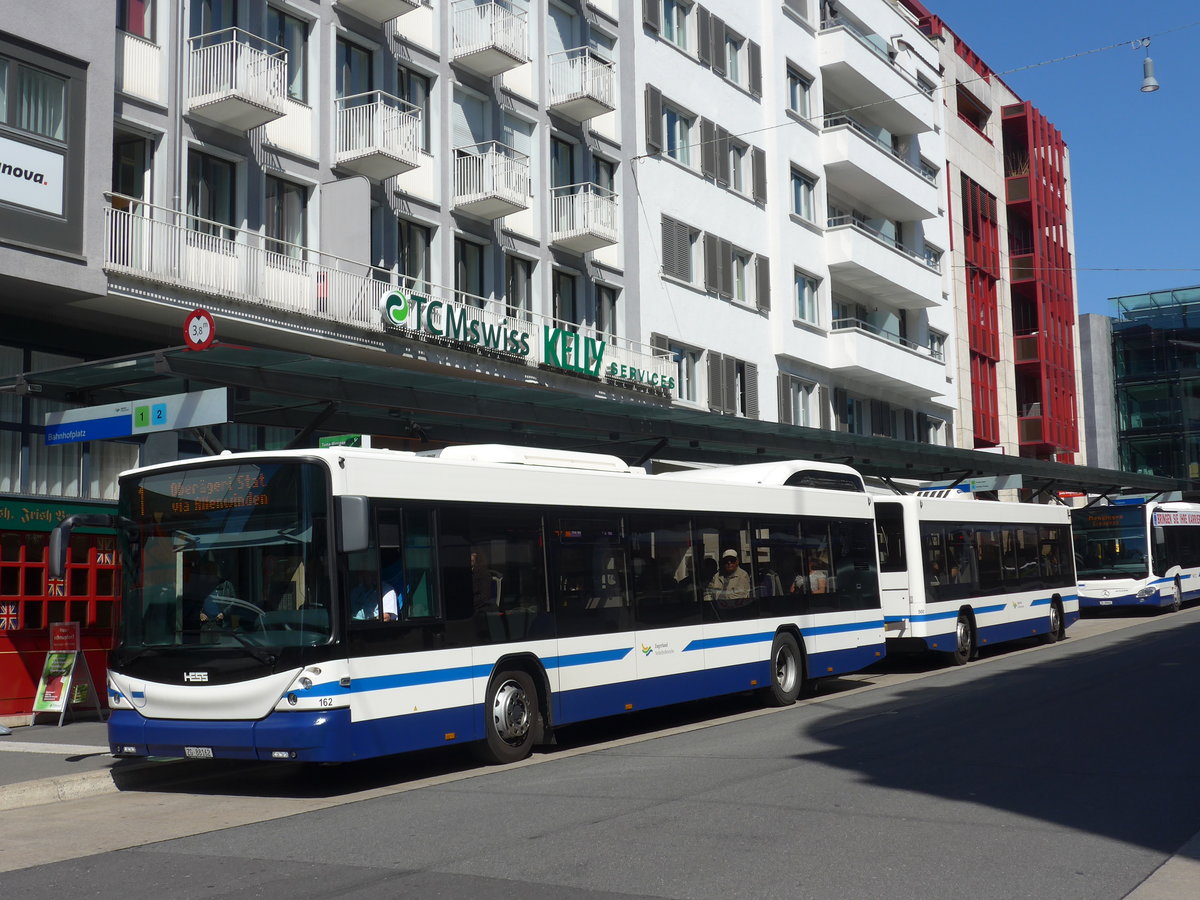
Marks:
<point>894,584</point>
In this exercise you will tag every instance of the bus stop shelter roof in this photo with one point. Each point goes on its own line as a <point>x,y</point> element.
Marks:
<point>423,409</point>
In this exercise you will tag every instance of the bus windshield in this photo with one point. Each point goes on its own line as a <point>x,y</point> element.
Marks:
<point>226,555</point>
<point>1110,542</point>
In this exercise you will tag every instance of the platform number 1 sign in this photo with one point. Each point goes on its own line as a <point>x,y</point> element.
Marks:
<point>199,330</point>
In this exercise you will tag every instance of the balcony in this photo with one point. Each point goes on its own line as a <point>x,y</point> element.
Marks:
<point>140,68</point>
<point>583,217</point>
<point>489,37</point>
<point>880,266</point>
<point>378,135</point>
<point>148,248</point>
<point>379,11</point>
<point>235,80</point>
<point>582,85</point>
<point>490,180</point>
<point>861,165</point>
<point>883,359</point>
<point>859,70</point>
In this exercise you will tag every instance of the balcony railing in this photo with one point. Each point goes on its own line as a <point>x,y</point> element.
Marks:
<point>235,79</point>
<point>892,337</point>
<point>490,180</point>
<point>583,217</point>
<point>378,135</point>
<point>927,260</point>
<point>582,85</point>
<point>139,67</point>
<point>841,120</point>
<point>327,294</point>
<point>490,37</point>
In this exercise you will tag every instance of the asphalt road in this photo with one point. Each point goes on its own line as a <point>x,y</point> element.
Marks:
<point>1062,771</point>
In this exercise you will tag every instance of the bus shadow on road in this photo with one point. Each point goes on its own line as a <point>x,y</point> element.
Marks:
<point>1101,742</point>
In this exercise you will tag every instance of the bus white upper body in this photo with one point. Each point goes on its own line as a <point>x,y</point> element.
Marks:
<point>337,604</point>
<point>956,574</point>
<point>1137,554</point>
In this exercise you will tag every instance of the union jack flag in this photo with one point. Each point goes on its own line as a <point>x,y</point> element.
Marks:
<point>56,587</point>
<point>9,620</point>
<point>104,557</point>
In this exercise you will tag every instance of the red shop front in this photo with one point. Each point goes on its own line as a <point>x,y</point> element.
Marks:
<point>30,601</point>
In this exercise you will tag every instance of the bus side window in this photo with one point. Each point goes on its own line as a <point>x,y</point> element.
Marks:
<point>418,557</point>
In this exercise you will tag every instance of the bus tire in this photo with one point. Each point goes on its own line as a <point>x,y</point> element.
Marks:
<point>964,641</point>
<point>1057,630</point>
<point>1177,596</point>
<point>511,714</point>
<point>787,671</point>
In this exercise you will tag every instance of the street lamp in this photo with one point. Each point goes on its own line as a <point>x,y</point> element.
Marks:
<point>1149,82</point>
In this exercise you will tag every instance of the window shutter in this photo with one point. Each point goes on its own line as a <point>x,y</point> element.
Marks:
<point>708,148</point>
<point>823,407</point>
<point>762,272</point>
<point>703,35</point>
<point>755,57</point>
<point>839,409</point>
<point>758,162</point>
<point>654,120</point>
<point>785,399</point>
<point>879,418</point>
<point>670,262</point>
<point>712,263</point>
<point>729,380</point>
<point>722,151</point>
<point>922,428</point>
<point>718,45</point>
<point>751,371</point>
<point>910,425</point>
<point>716,383</point>
<point>652,14</point>
<point>725,259</point>
<point>659,344</point>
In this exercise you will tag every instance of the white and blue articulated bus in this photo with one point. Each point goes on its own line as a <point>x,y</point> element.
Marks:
<point>957,574</point>
<point>1137,554</point>
<point>339,604</point>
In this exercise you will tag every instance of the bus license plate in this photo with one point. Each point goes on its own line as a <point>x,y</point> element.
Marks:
<point>198,752</point>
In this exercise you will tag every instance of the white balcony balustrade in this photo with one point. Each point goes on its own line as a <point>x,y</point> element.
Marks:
<point>583,217</point>
<point>878,265</point>
<point>490,36</point>
<point>490,180</point>
<point>378,135</point>
<point>881,358</point>
<point>236,80</point>
<point>582,85</point>
<point>140,67</point>
<point>379,11</point>
<point>312,291</point>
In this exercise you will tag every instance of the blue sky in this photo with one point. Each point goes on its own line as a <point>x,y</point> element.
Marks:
<point>1135,177</point>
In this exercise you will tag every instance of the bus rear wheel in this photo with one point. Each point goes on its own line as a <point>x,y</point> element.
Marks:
<point>787,671</point>
<point>964,641</point>
<point>511,716</point>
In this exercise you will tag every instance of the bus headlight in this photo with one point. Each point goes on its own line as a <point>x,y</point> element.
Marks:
<point>1145,592</point>
<point>292,699</point>
<point>306,683</point>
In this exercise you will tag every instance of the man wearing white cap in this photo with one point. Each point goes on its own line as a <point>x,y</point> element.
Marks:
<point>730,587</point>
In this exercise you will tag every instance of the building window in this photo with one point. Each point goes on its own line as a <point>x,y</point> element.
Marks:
<point>208,16</point>
<point>806,297</point>
<point>679,242</point>
<point>136,17</point>
<point>131,164</point>
<point>735,59</point>
<point>686,361</point>
<point>353,69</point>
<point>926,86</point>
<point>211,198</point>
<point>604,174</point>
<point>803,190</point>
<point>32,100</point>
<point>937,344</point>
<point>972,110</point>
<point>518,287</point>
<point>286,216</point>
<point>678,127</point>
<point>566,300</point>
<point>798,87</point>
<point>675,22</point>
<point>417,88</point>
<point>291,34</point>
<point>606,310</point>
<point>468,272</point>
<point>737,166</point>
<point>732,386</point>
<point>413,254</point>
<point>933,256</point>
<point>802,403</point>
<point>739,261</point>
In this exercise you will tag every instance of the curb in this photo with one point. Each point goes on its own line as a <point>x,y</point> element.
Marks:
<point>61,787</point>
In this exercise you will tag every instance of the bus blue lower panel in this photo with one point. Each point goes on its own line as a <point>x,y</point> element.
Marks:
<point>1156,601</point>
<point>1012,631</point>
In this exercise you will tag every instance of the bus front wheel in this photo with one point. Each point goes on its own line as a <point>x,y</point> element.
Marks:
<point>511,717</point>
<point>1056,632</point>
<point>964,641</point>
<point>787,671</point>
<point>1177,596</point>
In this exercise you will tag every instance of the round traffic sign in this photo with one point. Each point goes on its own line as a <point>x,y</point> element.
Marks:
<point>199,330</point>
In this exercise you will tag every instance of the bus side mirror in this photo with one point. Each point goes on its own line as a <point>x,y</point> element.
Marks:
<point>354,524</point>
<point>60,538</point>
